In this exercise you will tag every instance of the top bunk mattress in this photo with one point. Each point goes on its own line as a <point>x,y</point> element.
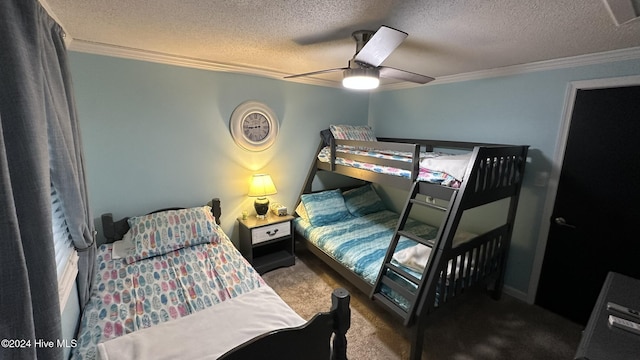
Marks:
<point>435,167</point>
<point>359,144</point>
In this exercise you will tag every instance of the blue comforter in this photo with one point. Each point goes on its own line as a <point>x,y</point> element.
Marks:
<point>360,243</point>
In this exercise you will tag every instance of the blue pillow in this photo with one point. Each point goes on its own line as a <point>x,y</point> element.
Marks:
<point>326,207</point>
<point>363,200</point>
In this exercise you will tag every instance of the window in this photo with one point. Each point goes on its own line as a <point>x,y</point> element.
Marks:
<point>66,255</point>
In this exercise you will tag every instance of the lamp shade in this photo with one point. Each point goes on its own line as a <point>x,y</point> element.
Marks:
<point>361,78</point>
<point>262,185</point>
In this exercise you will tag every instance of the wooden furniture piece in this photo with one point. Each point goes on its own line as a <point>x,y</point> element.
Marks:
<point>599,340</point>
<point>494,173</point>
<point>321,338</point>
<point>267,243</point>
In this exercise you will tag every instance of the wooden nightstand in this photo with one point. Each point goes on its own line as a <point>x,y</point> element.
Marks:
<point>267,243</point>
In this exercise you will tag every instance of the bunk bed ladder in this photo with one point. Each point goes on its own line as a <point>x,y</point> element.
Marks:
<point>397,279</point>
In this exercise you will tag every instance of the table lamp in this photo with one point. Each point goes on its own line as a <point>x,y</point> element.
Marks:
<point>261,186</point>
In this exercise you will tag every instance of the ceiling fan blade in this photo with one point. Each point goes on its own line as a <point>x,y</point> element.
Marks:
<point>380,46</point>
<point>389,72</point>
<point>316,73</point>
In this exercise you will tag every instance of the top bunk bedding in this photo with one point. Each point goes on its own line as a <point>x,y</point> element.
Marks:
<point>355,151</point>
<point>170,266</point>
<point>435,167</point>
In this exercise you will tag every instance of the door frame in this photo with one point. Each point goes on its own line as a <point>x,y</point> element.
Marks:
<point>556,167</point>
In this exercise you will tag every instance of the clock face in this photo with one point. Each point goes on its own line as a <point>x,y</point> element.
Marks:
<point>255,127</point>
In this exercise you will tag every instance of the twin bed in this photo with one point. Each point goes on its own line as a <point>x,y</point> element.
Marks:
<point>408,266</point>
<point>175,287</point>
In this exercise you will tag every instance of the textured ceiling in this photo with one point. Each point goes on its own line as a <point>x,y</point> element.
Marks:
<point>278,38</point>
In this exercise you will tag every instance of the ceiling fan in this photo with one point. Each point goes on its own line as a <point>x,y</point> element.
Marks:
<point>372,48</point>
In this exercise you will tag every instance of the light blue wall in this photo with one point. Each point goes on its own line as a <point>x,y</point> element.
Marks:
<point>517,109</point>
<point>158,135</point>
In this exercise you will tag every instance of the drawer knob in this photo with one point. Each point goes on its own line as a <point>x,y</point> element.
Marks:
<point>271,233</point>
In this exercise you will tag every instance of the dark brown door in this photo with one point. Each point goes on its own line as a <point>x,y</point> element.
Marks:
<point>595,227</point>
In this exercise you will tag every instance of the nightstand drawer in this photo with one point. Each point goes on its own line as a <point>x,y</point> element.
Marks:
<point>266,233</point>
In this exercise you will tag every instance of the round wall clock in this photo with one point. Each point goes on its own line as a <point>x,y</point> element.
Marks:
<point>254,126</point>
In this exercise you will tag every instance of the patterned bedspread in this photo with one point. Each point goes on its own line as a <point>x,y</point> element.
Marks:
<point>361,243</point>
<point>425,173</point>
<point>128,297</point>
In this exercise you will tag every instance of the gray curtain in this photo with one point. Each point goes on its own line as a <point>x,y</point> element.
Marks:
<point>39,146</point>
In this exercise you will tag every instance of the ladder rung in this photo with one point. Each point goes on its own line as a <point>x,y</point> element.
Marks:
<point>416,238</point>
<point>391,305</point>
<point>411,297</point>
<point>428,204</point>
<point>403,273</point>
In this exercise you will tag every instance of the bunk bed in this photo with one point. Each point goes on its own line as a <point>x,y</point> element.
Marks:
<point>408,267</point>
<point>171,285</point>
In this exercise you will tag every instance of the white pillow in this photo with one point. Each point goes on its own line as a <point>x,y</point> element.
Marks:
<point>416,257</point>
<point>302,211</point>
<point>122,247</point>
<point>454,165</point>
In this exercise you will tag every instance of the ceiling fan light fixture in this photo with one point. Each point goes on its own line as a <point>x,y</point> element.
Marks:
<point>361,78</point>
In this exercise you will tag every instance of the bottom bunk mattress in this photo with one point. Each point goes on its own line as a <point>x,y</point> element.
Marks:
<point>355,229</point>
<point>360,243</point>
<point>176,285</point>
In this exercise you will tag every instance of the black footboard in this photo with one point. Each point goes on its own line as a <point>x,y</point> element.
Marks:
<point>311,341</point>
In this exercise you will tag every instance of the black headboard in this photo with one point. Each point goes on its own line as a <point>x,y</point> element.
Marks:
<point>114,230</point>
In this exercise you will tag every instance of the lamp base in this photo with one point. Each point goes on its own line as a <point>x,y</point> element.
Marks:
<point>262,207</point>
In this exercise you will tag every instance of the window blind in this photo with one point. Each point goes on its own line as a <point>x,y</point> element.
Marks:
<point>66,256</point>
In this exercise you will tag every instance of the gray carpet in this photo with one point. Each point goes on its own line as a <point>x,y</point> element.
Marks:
<point>476,327</point>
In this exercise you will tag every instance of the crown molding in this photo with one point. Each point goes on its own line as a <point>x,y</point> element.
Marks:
<point>554,64</point>
<point>97,48</point>
<point>162,58</point>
